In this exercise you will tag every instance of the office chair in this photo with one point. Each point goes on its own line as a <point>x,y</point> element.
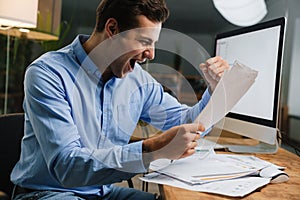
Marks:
<point>11,133</point>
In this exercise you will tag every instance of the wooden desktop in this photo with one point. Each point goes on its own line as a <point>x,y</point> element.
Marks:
<point>288,190</point>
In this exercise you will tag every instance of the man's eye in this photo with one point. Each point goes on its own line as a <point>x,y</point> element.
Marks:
<point>144,43</point>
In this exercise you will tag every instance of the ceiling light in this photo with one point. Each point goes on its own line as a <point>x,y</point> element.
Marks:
<point>242,12</point>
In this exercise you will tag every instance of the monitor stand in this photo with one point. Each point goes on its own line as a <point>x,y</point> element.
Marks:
<point>261,147</point>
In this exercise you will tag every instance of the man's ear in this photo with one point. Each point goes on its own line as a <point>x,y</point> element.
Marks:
<point>111,27</point>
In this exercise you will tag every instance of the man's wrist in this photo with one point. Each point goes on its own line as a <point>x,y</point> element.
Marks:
<point>146,146</point>
<point>147,153</point>
<point>211,88</point>
<point>150,149</point>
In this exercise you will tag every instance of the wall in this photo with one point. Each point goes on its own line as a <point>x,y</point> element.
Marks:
<point>294,87</point>
<point>294,81</point>
<point>291,84</point>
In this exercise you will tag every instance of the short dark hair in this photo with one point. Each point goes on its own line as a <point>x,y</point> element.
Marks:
<point>125,12</point>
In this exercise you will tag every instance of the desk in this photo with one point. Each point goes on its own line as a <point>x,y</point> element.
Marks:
<point>289,190</point>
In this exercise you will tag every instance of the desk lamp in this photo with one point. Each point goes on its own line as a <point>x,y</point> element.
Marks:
<point>32,19</point>
<point>15,13</point>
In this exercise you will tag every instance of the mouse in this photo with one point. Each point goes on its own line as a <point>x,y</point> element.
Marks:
<point>276,175</point>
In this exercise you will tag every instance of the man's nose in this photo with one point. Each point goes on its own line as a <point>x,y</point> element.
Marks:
<point>149,53</point>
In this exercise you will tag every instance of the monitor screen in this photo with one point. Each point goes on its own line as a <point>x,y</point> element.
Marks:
<point>259,47</point>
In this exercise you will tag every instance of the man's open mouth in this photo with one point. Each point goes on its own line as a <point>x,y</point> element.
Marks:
<point>132,63</point>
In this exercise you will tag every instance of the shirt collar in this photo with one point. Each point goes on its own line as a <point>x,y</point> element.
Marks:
<point>83,59</point>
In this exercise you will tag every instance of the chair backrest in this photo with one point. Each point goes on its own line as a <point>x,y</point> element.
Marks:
<point>11,133</point>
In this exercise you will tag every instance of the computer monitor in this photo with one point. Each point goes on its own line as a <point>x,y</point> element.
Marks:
<point>256,115</point>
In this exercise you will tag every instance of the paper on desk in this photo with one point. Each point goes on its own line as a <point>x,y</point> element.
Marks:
<point>230,89</point>
<point>215,167</point>
<point>235,187</point>
<point>222,166</point>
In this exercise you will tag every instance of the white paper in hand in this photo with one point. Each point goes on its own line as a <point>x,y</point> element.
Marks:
<point>230,89</point>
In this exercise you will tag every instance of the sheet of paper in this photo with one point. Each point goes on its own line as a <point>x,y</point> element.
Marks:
<point>212,166</point>
<point>235,187</point>
<point>230,89</point>
<point>215,167</point>
<point>164,162</point>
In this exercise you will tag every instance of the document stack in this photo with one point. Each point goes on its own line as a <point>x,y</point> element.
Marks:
<point>225,174</point>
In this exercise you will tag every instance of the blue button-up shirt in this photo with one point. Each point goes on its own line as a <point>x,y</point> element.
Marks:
<point>77,128</point>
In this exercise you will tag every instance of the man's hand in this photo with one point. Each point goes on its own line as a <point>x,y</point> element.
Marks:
<point>213,70</point>
<point>177,142</point>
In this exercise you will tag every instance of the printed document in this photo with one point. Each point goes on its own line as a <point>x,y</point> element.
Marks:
<point>230,89</point>
<point>234,187</point>
<point>226,174</point>
<point>194,170</point>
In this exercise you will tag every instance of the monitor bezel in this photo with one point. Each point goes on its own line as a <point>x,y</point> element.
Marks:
<point>264,25</point>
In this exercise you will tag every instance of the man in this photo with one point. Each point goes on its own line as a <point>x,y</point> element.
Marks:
<point>82,104</point>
